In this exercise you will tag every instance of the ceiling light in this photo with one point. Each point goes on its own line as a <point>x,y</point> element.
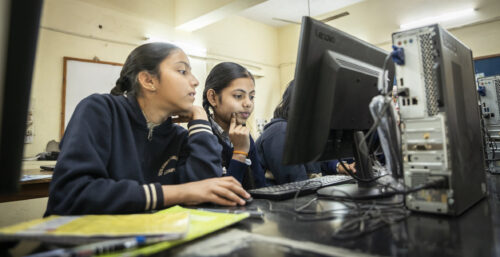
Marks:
<point>438,19</point>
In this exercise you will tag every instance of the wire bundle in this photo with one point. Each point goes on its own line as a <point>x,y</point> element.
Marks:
<point>359,216</point>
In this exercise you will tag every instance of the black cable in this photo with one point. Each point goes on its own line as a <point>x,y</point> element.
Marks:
<point>377,120</point>
<point>355,176</point>
<point>384,70</point>
<point>369,220</point>
<point>298,192</point>
<point>439,182</point>
<point>358,217</point>
<point>315,215</point>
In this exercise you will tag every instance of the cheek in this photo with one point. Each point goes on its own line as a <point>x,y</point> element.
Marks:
<point>223,112</point>
<point>174,82</point>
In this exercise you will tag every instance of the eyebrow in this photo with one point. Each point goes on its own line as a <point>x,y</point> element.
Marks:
<point>243,91</point>
<point>185,63</point>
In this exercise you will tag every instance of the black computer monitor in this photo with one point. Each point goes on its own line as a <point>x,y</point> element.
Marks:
<point>336,77</point>
<point>19,25</point>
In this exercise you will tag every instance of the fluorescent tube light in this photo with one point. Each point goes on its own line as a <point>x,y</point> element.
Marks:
<point>437,19</point>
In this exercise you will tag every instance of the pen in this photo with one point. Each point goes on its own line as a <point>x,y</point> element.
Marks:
<point>253,213</point>
<point>103,247</point>
<point>95,248</point>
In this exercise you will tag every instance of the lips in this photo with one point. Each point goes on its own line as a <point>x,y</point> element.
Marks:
<point>244,115</point>
<point>191,95</point>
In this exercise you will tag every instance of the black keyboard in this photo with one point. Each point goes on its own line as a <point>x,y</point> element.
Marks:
<point>288,190</point>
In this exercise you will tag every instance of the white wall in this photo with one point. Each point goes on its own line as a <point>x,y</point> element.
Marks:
<point>483,39</point>
<point>70,28</point>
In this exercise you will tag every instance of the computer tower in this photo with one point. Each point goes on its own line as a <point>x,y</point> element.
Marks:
<point>440,121</point>
<point>489,96</point>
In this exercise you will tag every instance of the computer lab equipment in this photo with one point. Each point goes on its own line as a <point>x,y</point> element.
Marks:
<point>440,121</point>
<point>489,96</point>
<point>336,77</point>
<point>19,25</point>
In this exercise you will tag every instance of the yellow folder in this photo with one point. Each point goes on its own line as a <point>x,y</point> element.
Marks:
<point>177,224</point>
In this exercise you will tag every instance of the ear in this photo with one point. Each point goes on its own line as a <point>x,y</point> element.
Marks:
<point>147,80</point>
<point>212,96</point>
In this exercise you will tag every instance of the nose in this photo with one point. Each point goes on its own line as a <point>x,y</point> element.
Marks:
<point>248,102</point>
<point>194,82</point>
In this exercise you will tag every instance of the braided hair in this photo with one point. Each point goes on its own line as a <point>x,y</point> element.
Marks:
<point>146,57</point>
<point>220,77</point>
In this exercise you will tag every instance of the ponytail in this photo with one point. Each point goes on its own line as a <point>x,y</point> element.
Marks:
<point>123,85</point>
<point>146,57</point>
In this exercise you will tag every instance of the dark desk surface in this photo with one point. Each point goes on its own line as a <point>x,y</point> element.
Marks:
<point>474,233</point>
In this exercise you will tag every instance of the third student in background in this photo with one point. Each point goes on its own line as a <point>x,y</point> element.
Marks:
<point>270,148</point>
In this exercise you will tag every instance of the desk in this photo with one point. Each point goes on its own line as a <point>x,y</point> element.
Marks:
<point>475,233</point>
<point>34,188</point>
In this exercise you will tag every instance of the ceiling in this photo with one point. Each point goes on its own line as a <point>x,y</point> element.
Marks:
<point>371,20</point>
<point>292,10</point>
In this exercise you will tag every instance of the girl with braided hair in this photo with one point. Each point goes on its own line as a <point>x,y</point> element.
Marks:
<point>123,153</point>
<point>228,99</point>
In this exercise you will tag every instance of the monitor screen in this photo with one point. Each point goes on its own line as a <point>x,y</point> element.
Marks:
<point>19,25</point>
<point>336,77</point>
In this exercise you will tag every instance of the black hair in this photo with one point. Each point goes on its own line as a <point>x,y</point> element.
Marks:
<point>283,107</point>
<point>146,57</point>
<point>221,76</point>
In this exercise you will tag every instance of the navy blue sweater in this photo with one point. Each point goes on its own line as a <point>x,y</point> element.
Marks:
<point>108,164</point>
<point>236,168</point>
<point>270,149</point>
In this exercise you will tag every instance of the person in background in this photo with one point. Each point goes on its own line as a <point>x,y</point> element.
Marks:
<point>270,149</point>
<point>228,99</point>
<point>122,152</point>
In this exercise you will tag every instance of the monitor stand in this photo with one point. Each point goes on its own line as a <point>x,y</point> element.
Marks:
<point>364,170</point>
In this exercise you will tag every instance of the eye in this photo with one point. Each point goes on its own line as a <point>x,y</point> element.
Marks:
<point>183,72</point>
<point>252,97</point>
<point>238,96</point>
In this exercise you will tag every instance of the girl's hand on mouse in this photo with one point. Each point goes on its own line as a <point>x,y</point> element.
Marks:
<point>224,191</point>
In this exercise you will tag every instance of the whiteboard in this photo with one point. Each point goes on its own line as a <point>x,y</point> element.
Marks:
<point>83,78</point>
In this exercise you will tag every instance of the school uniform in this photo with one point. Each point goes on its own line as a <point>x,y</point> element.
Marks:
<point>270,150</point>
<point>111,161</point>
<point>250,173</point>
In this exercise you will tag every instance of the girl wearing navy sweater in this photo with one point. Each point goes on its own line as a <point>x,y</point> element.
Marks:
<point>228,99</point>
<point>270,149</point>
<point>123,153</point>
